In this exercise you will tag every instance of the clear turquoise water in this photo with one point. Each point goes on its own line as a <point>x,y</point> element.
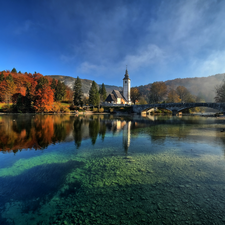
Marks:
<point>111,170</point>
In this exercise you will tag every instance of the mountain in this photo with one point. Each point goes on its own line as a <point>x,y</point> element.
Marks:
<point>203,87</point>
<point>199,86</point>
<point>86,84</point>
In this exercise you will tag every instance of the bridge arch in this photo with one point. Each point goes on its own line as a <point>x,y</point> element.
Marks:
<point>177,107</point>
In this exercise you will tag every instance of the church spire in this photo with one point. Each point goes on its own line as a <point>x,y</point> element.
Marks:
<point>126,73</point>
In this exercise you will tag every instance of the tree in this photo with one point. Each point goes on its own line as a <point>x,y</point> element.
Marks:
<point>220,92</point>
<point>134,94</point>
<point>28,99</point>
<point>94,94</point>
<point>158,92</point>
<point>44,99</point>
<point>44,96</point>
<point>42,81</point>
<point>78,94</point>
<point>53,84</point>
<point>60,91</point>
<point>173,97</point>
<point>10,90</point>
<point>102,92</point>
<point>184,94</point>
<point>1,77</point>
<point>9,77</point>
<point>14,70</point>
<point>142,101</point>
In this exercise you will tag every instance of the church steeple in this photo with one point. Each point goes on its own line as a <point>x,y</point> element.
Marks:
<point>126,74</point>
<point>126,86</point>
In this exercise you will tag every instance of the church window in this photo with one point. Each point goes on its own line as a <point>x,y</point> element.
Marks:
<point>125,82</point>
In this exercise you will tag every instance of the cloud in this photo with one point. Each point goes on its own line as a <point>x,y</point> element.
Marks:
<point>87,67</point>
<point>144,57</point>
<point>213,64</point>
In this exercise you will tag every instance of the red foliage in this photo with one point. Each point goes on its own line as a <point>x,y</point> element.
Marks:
<point>43,98</point>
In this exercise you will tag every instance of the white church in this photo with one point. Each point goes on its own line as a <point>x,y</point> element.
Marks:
<point>121,97</point>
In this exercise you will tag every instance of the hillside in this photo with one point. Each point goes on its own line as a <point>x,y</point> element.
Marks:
<point>199,86</point>
<point>86,84</point>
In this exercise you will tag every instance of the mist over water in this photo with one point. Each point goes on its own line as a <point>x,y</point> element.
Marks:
<point>63,169</point>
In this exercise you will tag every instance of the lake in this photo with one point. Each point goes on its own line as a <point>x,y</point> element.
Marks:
<point>105,169</point>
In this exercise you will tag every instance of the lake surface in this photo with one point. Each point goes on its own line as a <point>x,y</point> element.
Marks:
<point>63,169</point>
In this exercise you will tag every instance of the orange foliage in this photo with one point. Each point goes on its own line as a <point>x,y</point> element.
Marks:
<point>18,135</point>
<point>44,99</point>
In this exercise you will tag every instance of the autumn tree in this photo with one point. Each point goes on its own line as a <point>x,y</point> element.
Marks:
<point>134,94</point>
<point>9,90</point>
<point>94,98</point>
<point>184,94</point>
<point>102,92</point>
<point>158,92</point>
<point>220,92</point>
<point>44,96</point>
<point>142,101</point>
<point>78,94</point>
<point>60,91</point>
<point>1,77</point>
<point>173,97</point>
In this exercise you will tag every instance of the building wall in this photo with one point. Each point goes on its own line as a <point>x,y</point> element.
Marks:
<point>126,89</point>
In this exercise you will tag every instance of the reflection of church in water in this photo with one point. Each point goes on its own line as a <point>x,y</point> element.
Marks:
<point>125,126</point>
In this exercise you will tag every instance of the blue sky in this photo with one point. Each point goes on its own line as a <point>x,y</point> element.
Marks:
<point>92,39</point>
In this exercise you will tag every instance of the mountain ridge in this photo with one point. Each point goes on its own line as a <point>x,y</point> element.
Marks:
<point>199,86</point>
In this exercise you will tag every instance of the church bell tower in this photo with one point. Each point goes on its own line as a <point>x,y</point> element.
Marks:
<point>126,87</point>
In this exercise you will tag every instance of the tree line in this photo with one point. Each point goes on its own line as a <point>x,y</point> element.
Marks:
<point>96,95</point>
<point>31,92</point>
<point>159,92</point>
<point>34,92</point>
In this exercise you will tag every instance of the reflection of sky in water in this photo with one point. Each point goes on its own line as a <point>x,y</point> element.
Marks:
<point>149,170</point>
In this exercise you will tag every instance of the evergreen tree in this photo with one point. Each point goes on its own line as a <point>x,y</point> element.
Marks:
<point>94,94</point>
<point>60,91</point>
<point>28,98</point>
<point>102,92</point>
<point>42,81</point>
<point>14,70</point>
<point>9,77</point>
<point>78,94</point>
<point>53,84</point>
<point>1,77</point>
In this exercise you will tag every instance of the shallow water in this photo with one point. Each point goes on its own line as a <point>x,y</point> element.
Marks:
<point>62,169</point>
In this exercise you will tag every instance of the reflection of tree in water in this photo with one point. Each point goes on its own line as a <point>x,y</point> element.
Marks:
<point>77,133</point>
<point>161,132</point>
<point>59,133</point>
<point>44,128</point>
<point>24,132</point>
<point>102,130</point>
<point>94,126</point>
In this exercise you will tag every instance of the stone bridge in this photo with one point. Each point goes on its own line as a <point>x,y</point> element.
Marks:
<point>177,107</point>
